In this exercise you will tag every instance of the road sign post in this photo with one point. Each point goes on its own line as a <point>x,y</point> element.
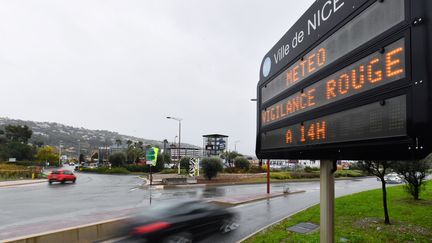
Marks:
<point>268,176</point>
<point>151,159</point>
<point>327,195</point>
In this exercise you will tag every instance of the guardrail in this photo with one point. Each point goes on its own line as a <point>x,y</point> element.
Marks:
<point>81,234</point>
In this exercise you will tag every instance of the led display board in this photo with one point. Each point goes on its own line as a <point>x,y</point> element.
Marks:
<point>381,119</point>
<point>377,69</point>
<point>350,80</point>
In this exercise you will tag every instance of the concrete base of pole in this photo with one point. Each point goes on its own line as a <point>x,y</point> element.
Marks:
<point>327,195</point>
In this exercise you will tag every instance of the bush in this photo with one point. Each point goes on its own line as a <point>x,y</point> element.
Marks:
<point>184,163</point>
<point>233,170</point>
<point>28,163</point>
<point>211,167</point>
<point>137,168</point>
<point>309,169</point>
<point>256,169</point>
<point>117,159</point>
<point>106,170</point>
<point>242,163</point>
<point>12,171</point>
<point>280,175</point>
<point>117,170</point>
<point>304,175</point>
<point>348,173</point>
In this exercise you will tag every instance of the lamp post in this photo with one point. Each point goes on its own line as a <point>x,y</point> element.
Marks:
<point>268,161</point>
<point>179,142</point>
<point>60,146</point>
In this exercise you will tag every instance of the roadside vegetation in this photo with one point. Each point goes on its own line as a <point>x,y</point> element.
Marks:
<point>359,218</point>
<point>18,172</point>
<point>106,170</point>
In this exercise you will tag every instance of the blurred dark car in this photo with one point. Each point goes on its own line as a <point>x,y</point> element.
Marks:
<point>186,221</point>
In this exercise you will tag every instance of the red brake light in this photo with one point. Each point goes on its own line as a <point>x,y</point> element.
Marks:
<point>150,227</point>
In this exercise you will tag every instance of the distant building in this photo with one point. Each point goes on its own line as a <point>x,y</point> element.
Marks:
<point>283,163</point>
<point>214,144</point>
<point>184,152</point>
<point>122,148</point>
<point>104,153</point>
<point>309,163</point>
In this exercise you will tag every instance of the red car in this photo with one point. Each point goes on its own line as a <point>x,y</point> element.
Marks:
<point>61,176</point>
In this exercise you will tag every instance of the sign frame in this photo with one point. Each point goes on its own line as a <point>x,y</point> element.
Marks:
<point>418,142</point>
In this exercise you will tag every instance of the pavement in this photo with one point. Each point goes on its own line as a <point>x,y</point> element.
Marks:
<point>21,182</point>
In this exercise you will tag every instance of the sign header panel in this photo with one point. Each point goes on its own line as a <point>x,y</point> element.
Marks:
<point>373,21</point>
<point>375,70</point>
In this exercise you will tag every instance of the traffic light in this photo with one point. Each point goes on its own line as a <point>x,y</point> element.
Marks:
<point>151,155</point>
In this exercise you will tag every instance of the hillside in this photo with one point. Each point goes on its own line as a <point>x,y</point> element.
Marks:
<point>51,133</point>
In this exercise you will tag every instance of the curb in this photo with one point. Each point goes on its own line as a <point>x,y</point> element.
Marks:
<point>264,197</point>
<point>50,235</point>
<point>25,183</point>
<point>254,183</point>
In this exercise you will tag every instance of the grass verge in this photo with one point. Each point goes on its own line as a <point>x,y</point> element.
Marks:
<point>359,218</point>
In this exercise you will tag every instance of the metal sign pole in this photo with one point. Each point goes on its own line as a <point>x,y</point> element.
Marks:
<point>327,195</point>
<point>268,176</point>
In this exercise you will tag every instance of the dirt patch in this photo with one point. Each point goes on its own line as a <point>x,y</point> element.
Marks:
<point>396,226</point>
<point>420,202</point>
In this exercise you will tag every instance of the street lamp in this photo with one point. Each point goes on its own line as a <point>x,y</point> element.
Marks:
<point>268,162</point>
<point>179,142</point>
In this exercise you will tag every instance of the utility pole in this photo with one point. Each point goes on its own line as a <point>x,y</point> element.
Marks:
<point>79,149</point>
<point>60,145</point>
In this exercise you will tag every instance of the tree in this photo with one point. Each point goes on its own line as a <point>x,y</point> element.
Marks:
<point>160,162</point>
<point>47,154</point>
<point>379,169</point>
<point>242,163</point>
<point>18,133</point>
<point>414,173</point>
<point>38,143</point>
<point>129,143</point>
<point>117,159</point>
<point>211,167</point>
<point>118,142</point>
<point>134,153</point>
<point>17,150</point>
<point>82,158</point>
<point>184,163</point>
<point>230,156</point>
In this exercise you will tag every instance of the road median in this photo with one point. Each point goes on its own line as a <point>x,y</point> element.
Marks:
<point>99,231</point>
<point>21,182</point>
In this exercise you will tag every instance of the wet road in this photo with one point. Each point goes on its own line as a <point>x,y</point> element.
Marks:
<point>38,208</point>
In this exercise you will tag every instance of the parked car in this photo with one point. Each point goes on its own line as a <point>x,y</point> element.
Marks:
<point>393,178</point>
<point>61,176</point>
<point>180,222</point>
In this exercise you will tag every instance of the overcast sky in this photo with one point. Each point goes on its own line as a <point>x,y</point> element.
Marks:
<point>125,65</point>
